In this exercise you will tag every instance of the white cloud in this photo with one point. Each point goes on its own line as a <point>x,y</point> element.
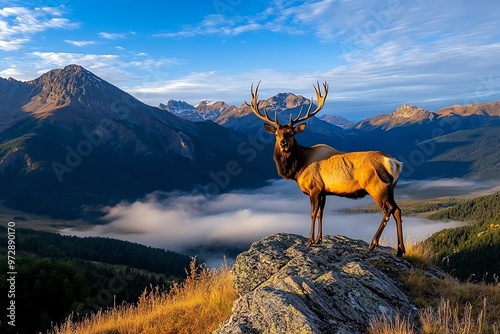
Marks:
<point>19,24</point>
<point>62,59</point>
<point>80,43</point>
<point>10,72</point>
<point>111,35</point>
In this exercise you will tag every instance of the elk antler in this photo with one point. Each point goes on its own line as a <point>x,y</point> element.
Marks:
<point>254,105</point>
<point>321,101</point>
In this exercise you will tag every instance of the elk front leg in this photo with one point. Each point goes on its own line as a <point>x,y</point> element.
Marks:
<point>377,235</point>
<point>314,211</point>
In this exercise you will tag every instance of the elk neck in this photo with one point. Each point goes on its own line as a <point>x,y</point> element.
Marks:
<point>289,164</point>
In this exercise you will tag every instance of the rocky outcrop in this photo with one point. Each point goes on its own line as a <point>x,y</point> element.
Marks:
<point>335,287</point>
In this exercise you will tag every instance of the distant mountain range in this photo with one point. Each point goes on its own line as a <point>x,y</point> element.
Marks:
<point>70,142</point>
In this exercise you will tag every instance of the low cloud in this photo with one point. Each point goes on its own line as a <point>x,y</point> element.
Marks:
<point>190,223</point>
<point>421,189</point>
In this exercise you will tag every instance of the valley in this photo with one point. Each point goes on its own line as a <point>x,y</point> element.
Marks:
<point>119,183</point>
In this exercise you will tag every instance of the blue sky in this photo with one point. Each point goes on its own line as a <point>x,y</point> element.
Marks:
<point>376,55</point>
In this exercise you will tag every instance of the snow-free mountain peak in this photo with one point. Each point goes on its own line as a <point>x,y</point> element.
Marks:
<point>403,115</point>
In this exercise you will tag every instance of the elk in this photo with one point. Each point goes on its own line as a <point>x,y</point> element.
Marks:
<point>321,170</point>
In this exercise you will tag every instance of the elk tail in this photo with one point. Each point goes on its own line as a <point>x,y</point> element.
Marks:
<point>394,168</point>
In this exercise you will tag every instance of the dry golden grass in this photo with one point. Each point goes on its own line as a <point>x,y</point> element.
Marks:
<point>204,300</point>
<point>384,325</point>
<point>447,307</point>
<point>199,305</point>
<point>419,252</point>
<point>447,319</point>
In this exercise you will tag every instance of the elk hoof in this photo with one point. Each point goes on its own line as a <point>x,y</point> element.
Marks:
<point>309,243</point>
<point>400,252</point>
<point>318,241</point>
<point>372,245</point>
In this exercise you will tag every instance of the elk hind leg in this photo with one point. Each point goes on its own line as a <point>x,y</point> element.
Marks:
<point>399,226</point>
<point>319,216</point>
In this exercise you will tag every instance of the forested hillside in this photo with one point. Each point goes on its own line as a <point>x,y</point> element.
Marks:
<point>472,251</point>
<point>57,275</point>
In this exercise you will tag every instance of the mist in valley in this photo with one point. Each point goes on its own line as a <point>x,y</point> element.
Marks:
<point>223,225</point>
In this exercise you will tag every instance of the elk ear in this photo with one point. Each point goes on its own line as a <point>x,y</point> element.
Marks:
<point>299,128</point>
<point>269,128</point>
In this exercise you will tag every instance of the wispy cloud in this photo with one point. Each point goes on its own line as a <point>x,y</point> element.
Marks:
<point>61,59</point>
<point>80,43</point>
<point>10,72</point>
<point>19,24</point>
<point>276,18</point>
<point>112,35</point>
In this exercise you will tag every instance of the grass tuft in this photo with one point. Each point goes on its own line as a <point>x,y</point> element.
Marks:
<point>447,306</point>
<point>419,253</point>
<point>447,319</point>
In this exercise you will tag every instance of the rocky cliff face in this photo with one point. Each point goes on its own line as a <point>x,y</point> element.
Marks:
<point>336,287</point>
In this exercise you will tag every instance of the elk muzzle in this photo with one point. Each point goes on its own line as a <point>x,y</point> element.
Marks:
<point>284,145</point>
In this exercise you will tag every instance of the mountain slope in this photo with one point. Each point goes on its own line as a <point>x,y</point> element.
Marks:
<point>80,142</point>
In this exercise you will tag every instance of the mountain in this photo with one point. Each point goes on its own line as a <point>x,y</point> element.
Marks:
<point>211,110</point>
<point>71,141</point>
<point>203,111</point>
<point>454,142</point>
<point>405,114</point>
<point>182,109</point>
<point>481,109</point>
<point>282,105</point>
<point>409,115</point>
<point>338,121</point>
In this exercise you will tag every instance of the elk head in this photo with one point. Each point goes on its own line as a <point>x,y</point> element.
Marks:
<point>285,133</point>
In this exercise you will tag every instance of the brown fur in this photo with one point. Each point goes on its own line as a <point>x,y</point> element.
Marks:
<point>321,171</point>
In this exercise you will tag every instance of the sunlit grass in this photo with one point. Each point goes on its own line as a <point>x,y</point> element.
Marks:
<point>419,252</point>
<point>447,306</point>
<point>447,319</point>
<point>198,305</point>
<point>204,301</point>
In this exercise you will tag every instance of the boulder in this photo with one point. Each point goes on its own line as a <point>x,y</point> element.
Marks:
<point>334,287</point>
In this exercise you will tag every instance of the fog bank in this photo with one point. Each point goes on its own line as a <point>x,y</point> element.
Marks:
<point>187,223</point>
